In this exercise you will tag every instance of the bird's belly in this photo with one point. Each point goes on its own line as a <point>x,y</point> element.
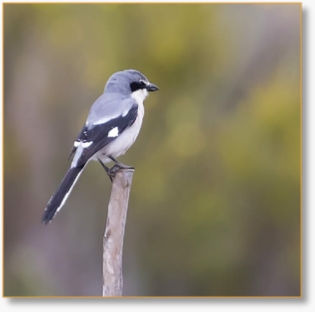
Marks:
<point>120,145</point>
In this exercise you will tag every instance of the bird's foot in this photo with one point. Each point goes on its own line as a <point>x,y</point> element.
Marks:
<point>113,171</point>
<point>118,163</point>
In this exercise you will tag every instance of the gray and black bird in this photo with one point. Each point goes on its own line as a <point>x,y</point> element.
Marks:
<point>112,126</point>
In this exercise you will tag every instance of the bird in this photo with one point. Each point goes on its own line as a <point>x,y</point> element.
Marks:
<point>111,128</point>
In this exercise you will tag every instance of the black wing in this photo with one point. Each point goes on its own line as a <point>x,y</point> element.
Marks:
<point>98,134</point>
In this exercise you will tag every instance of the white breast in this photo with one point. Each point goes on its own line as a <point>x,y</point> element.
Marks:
<point>120,145</point>
<point>140,96</point>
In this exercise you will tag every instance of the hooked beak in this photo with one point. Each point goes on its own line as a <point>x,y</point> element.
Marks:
<point>151,87</point>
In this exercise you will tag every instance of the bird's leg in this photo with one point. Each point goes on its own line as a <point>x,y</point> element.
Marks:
<point>119,164</point>
<point>109,172</point>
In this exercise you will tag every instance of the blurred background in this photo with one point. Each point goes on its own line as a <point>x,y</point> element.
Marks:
<point>215,202</point>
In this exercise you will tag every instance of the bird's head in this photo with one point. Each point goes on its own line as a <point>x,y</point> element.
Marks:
<point>130,82</point>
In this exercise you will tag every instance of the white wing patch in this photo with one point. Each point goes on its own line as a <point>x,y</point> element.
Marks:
<point>86,144</point>
<point>83,144</point>
<point>113,133</point>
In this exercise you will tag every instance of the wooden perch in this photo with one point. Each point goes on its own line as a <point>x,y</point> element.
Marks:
<point>114,233</point>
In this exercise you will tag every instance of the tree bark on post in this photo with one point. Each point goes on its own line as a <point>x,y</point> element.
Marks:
<point>114,233</point>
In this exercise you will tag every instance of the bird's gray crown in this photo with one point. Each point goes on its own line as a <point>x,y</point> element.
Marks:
<point>123,81</point>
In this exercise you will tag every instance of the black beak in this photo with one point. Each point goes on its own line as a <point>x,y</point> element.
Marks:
<point>151,87</point>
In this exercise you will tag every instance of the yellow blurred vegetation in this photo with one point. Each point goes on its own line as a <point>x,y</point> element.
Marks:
<point>215,200</point>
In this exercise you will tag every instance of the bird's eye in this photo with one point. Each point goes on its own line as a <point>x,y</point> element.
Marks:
<point>143,82</point>
<point>137,85</point>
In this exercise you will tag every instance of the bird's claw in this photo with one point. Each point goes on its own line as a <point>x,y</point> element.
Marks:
<point>113,171</point>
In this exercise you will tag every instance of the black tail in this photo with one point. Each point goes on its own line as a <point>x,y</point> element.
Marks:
<point>59,198</point>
